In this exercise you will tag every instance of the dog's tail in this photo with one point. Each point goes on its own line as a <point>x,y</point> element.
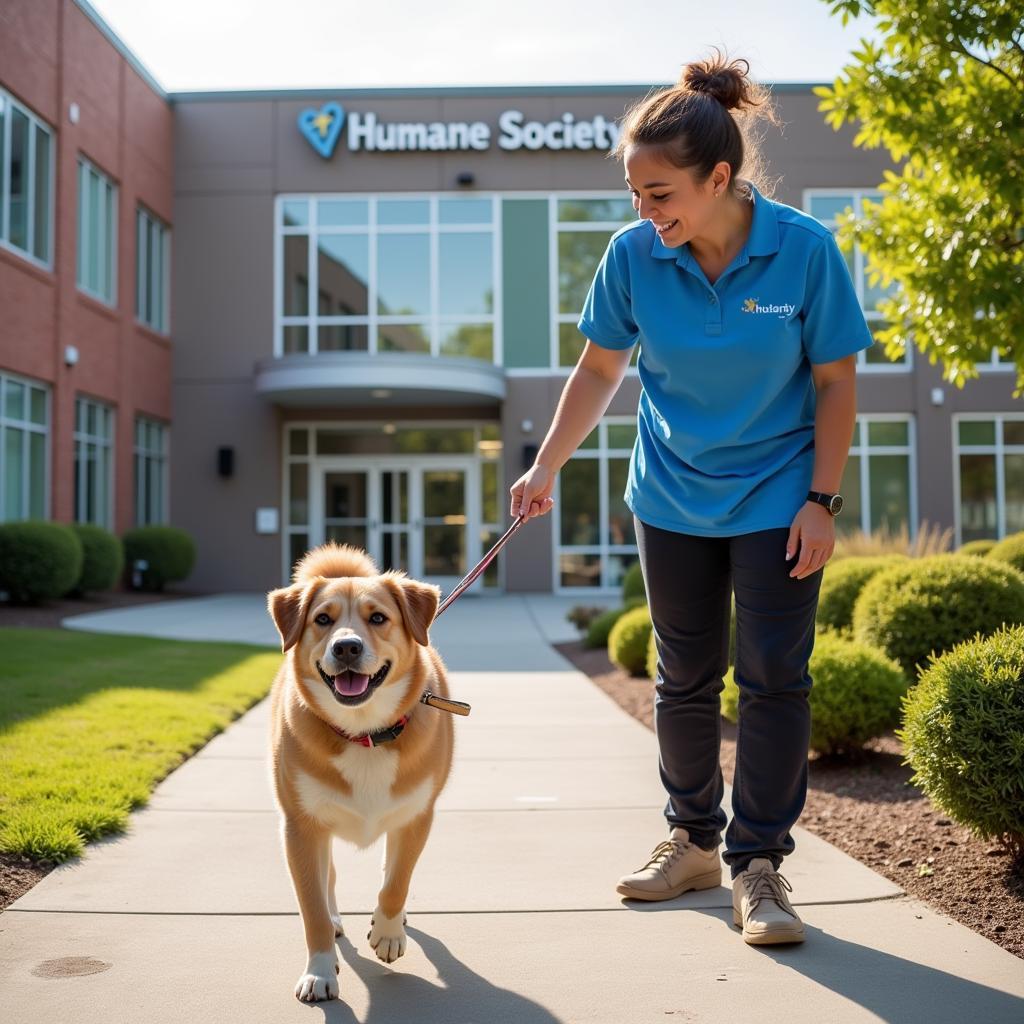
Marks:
<point>334,560</point>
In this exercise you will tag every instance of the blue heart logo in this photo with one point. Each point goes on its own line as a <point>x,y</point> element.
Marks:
<point>322,127</point>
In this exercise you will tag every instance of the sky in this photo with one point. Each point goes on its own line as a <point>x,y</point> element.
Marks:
<point>310,44</point>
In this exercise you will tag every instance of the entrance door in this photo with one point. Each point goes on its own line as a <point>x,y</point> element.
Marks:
<point>417,517</point>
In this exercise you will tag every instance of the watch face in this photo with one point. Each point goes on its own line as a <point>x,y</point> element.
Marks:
<point>836,504</point>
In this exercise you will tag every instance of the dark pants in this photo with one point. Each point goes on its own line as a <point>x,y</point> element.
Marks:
<point>688,581</point>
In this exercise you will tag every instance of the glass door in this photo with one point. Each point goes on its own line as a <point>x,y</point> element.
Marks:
<point>346,507</point>
<point>395,520</point>
<point>447,511</point>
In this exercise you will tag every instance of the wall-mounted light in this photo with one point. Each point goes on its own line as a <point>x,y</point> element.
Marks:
<point>465,178</point>
<point>70,355</point>
<point>73,113</point>
<point>938,396</point>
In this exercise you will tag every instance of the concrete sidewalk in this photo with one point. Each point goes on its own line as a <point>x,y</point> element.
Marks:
<point>512,915</point>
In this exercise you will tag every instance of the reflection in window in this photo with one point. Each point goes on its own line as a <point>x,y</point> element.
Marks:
<point>25,164</point>
<point>990,470</point>
<point>877,484</point>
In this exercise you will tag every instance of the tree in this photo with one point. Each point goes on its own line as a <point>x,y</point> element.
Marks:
<point>944,93</point>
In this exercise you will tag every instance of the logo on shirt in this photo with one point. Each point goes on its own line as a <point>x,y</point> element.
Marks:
<point>782,310</point>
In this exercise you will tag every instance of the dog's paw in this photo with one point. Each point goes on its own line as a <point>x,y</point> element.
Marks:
<point>320,981</point>
<point>387,936</point>
<point>338,929</point>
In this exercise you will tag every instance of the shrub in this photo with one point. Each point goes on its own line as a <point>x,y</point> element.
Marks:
<point>582,615</point>
<point>169,553</point>
<point>962,732</point>
<point>597,632</point>
<point>39,561</point>
<point>633,584</point>
<point>1010,550</point>
<point>842,582</point>
<point>855,695</point>
<point>932,604</point>
<point>103,558</point>
<point>977,547</point>
<point>627,641</point>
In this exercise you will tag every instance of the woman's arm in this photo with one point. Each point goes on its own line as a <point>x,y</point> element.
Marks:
<point>585,397</point>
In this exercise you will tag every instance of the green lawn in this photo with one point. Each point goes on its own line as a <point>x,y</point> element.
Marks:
<point>89,724</point>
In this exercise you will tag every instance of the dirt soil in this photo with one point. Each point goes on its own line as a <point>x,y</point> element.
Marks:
<point>869,809</point>
<point>18,874</point>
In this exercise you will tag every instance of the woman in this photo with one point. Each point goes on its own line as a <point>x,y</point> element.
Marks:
<point>748,326</point>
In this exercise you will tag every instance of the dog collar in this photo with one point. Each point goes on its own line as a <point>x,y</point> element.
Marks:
<point>375,739</point>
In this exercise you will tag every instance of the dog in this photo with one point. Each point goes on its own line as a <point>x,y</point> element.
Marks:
<point>353,752</point>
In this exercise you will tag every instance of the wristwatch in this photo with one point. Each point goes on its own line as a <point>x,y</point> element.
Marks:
<point>833,502</point>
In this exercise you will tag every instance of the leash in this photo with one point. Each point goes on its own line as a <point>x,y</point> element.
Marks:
<point>458,707</point>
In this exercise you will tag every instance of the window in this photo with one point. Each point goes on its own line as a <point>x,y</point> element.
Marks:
<point>388,274</point>
<point>26,181</point>
<point>152,271</point>
<point>878,485</point>
<point>581,228</point>
<point>825,205</point>
<point>24,436</point>
<point>595,543</point>
<point>151,498</point>
<point>94,467</point>
<point>988,470</point>
<point>97,233</point>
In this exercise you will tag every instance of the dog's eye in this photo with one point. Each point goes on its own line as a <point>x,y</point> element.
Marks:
<point>323,619</point>
<point>378,619</point>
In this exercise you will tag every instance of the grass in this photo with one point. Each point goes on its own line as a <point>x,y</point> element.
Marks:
<point>89,724</point>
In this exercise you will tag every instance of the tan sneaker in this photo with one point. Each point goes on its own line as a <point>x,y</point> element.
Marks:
<point>761,908</point>
<point>675,867</point>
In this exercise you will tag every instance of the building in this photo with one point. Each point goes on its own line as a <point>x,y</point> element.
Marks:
<point>373,297</point>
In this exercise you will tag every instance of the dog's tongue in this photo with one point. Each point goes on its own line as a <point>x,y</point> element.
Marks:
<point>350,684</point>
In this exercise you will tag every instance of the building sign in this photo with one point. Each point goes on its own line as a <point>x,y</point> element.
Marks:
<point>363,131</point>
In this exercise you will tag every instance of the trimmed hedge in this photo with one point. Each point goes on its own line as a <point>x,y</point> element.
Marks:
<point>633,584</point>
<point>169,552</point>
<point>103,559</point>
<point>627,642</point>
<point>963,734</point>
<point>597,632</point>
<point>931,604</point>
<point>977,547</point>
<point>1010,550</point>
<point>855,694</point>
<point>39,561</point>
<point>841,584</point>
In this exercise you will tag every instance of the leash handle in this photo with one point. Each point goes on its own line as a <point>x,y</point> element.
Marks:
<point>453,707</point>
<point>475,572</point>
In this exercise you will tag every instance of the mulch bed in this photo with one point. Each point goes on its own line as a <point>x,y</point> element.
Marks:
<point>868,808</point>
<point>18,874</point>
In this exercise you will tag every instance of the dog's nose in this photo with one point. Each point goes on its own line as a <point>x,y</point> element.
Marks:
<point>347,648</point>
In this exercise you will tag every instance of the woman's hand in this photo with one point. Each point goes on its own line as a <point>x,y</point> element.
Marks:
<point>813,534</point>
<point>531,493</point>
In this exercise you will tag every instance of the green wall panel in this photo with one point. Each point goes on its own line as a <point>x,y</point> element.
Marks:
<point>525,282</point>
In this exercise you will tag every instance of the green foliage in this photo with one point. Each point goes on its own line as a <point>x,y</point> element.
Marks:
<point>1010,550</point>
<point>627,641</point>
<point>979,548</point>
<point>855,694</point>
<point>599,628</point>
<point>932,604</point>
<point>652,655</point>
<point>841,583</point>
<point>633,584</point>
<point>582,615</point>
<point>169,552</point>
<point>38,561</point>
<point>941,90</point>
<point>963,734</point>
<point>89,724</point>
<point>103,559</point>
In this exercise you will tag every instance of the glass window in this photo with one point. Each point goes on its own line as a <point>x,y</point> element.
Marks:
<point>878,480</point>
<point>990,476</point>
<point>582,228</point>
<point>24,444</point>
<point>405,274</point>
<point>152,268</point>
<point>826,207</point>
<point>94,466</point>
<point>26,203</point>
<point>151,472</point>
<point>97,233</point>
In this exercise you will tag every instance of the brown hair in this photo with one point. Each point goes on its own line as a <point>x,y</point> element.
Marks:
<point>693,126</point>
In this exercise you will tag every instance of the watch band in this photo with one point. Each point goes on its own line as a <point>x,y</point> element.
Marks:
<point>833,503</point>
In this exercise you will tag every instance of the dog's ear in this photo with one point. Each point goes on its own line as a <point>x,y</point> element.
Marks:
<point>418,602</point>
<point>288,608</point>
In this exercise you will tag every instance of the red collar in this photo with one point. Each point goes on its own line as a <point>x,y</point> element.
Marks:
<point>375,739</point>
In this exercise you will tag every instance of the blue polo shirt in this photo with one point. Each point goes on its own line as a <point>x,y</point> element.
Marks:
<point>725,427</point>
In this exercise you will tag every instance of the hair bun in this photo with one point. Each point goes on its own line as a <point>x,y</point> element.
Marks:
<point>725,82</point>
